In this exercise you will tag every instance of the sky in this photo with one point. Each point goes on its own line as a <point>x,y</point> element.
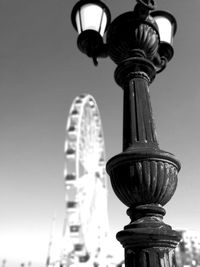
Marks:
<point>41,72</point>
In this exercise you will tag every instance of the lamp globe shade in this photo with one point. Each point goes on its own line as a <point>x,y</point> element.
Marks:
<point>167,27</point>
<point>90,15</point>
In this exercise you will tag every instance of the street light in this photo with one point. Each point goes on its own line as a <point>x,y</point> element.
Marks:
<point>167,29</point>
<point>91,18</point>
<point>143,176</point>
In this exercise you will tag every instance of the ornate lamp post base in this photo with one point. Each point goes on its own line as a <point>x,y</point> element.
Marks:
<point>148,242</point>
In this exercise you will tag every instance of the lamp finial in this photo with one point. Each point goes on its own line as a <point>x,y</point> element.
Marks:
<point>150,4</point>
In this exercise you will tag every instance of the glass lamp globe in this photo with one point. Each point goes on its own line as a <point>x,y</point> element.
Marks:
<point>90,18</point>
<point>167,27</point>
<point>90,15</point>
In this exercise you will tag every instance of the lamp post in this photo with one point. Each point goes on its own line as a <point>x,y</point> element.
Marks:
<point>143,176</point>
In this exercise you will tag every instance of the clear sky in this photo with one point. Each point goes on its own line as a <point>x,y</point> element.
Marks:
<point>41,72</point>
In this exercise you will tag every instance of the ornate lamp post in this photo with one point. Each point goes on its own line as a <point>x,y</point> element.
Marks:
<point>143,176</point>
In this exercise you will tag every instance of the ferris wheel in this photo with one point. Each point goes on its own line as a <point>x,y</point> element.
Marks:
<point>86,220</point>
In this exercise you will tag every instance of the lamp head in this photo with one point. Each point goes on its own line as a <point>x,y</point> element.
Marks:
<point>91,18</point>
<point>167,27</point>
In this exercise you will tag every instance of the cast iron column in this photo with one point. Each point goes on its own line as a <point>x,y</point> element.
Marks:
<point>143,176</point>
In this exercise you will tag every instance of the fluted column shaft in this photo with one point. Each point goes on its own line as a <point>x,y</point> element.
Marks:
<point>138,124</point>
<point>143,176</point>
